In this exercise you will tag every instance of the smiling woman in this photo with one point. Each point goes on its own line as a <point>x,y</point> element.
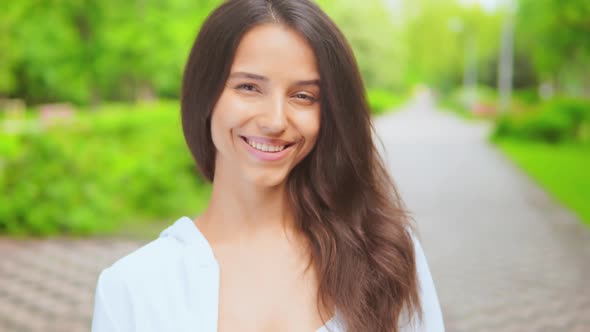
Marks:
<point>270,102</point>
<point>304,230</point>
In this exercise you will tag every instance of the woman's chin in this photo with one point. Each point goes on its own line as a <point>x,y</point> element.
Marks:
<point>266,178</point>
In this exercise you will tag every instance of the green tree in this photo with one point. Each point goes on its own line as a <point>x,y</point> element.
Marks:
<point>376,38</point>
<point>556,36</point>
<point>85,51</point>
<point>439,34</point>
<point>50,45</point>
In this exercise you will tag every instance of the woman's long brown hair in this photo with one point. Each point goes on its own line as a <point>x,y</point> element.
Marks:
<point>344,199</point>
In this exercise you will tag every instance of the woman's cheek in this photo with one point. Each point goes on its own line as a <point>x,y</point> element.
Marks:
<point>312,123</point>
<point>310,127</point>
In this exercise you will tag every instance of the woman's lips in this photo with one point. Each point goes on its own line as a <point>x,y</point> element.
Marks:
<point>267,156</point>
<point>265,140</point>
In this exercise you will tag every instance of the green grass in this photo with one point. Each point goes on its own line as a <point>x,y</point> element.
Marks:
<point>563,170</point>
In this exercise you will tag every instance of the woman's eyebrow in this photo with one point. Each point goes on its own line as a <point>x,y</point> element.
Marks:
<point>248,75</point>
<point>266,79</point>
<point>307,82</point>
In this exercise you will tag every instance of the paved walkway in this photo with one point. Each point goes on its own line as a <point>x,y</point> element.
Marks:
<point>48,285</point>
<point>504,256</point>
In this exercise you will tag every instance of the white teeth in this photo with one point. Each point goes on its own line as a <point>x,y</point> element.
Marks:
<point>265,147</point>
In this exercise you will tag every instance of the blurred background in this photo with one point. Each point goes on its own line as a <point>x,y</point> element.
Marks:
<point>482,108</point>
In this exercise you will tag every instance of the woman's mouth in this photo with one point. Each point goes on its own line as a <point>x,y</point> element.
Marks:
<point>267,149</point>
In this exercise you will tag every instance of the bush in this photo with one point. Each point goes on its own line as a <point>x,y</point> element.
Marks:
<point>470,103</point>
<point>529,95</point>
<point>90,176</point>
<point>556,121</point>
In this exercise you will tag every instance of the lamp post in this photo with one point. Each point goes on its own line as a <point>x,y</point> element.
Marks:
<point>470,67</point>
<point>506,63</point>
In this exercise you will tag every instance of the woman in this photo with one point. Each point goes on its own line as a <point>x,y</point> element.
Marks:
<point>304,230</point>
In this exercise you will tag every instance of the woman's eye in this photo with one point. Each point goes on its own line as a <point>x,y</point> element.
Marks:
<point>247,87</point>
<point>305,97</point>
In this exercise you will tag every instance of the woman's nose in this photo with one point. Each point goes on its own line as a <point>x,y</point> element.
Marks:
<point>273,120</point>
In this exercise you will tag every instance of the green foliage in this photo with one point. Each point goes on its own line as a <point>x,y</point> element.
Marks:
<point>376,40</point>
<point>561,169</point>
<point>559,120</point>
<point>87,51</point>
<point>382,101</point>
<point>556,35</point>
<point>105,168</point>
<point>529,95</point>
<point>439,35</point>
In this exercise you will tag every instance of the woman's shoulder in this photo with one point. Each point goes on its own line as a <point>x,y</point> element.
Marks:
<point>163,258</point>
<point>162,276</point>
<point>150,258</point>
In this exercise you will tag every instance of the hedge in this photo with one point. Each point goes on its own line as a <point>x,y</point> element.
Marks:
<point>559,120</point>
<point>93,173</point>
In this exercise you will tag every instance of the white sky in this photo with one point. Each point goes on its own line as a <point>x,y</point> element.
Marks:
<point>487,4</point>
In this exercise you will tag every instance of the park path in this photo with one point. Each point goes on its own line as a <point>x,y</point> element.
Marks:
<point>504,256</point>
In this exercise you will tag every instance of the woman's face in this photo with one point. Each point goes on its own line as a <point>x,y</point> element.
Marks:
<point>268,116</point>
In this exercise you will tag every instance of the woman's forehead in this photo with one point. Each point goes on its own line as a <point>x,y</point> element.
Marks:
<point>273,50</point>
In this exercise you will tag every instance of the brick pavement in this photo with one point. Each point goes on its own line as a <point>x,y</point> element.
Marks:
<point>48,285</point>
<point>504,255</point>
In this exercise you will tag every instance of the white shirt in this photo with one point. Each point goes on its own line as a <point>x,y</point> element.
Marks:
<point>172,283</point>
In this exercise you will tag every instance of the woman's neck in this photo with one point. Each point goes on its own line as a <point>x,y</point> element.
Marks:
<point>241,210</point>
